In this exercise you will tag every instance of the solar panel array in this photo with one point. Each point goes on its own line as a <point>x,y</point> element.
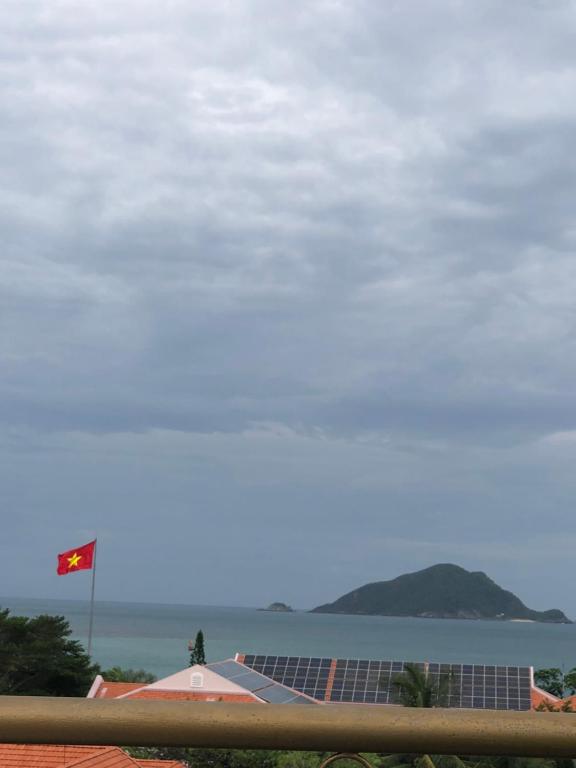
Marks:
<point>308,675</point>
<point>364,681</point>
<point>482,686</point>
<point>260,685</point>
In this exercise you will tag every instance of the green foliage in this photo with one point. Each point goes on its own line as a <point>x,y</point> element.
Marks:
<point>443,590</point>
<point>315,759</point>
<point>424,761</point>
<point>556,682</point>
<point>236,758</point>
<point>453,761</point>
<point>415,688</point>
<point>119,675</point>
<point>448,761</point>
<point>550,680</point>
<point>242,758</point>
<point>548,706</point>
<point>37,658</point>
<point>392,761</point>
<point>233,758</point>
<point>198,655</point>
<point>159,753</point>
<point>210,758</point>
<point>515,762</point>
<point>301,760</point>
<point>570,682</point>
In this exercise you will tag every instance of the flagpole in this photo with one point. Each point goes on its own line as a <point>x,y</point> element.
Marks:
<point>91,624</point>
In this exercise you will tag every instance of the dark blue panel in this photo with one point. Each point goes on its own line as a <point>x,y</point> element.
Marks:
<point>276,694</point>
<point>470,685</point>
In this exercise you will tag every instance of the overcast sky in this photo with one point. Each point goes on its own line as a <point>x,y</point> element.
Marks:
<point>288,295</point>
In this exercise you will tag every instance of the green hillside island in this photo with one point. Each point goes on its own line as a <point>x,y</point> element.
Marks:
<point>441,592</point>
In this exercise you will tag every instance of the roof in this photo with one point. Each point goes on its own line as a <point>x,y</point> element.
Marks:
<point>372,681</point>
<point>543,700</point>
<point>540,696</point>
<point>176,687</point>
<point>229,681</point>
<point>107,690</point>
<point>70,756</point>
<point>156,694</point>
<point>106,757</point>
<point>41,755</point>
<point>262,686</point>
<point>242,680</point>
<point>198,677</point>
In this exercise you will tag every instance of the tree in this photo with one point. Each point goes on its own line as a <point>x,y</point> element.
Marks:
<point>415,688</point>
<point>241,758</point>
<point>516,762</point>
<point>548,706</point>
<point>551,680</point>
<point>37,658</point>
<point>570,682</point>
<point>556,682</point>
<point>215,758</point>
<point>198,655</point>
<point>119,675</point>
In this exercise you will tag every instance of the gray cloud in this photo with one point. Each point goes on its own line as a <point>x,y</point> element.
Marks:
<point>307,263</point>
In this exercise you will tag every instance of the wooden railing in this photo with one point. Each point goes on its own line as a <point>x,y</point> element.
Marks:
<point>332,728</point>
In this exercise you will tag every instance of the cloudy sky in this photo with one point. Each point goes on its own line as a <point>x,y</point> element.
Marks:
<point>287,295</point>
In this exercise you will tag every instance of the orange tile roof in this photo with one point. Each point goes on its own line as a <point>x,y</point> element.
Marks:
<point>108,757</point>
<point>114,690</point>
<point>539,696</point>
<point>40,755</point>
<point>571,699</point>
<point>157,694</point>
<point>69,756</point>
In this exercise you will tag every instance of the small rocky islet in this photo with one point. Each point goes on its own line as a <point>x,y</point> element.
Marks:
<point>278,608</point>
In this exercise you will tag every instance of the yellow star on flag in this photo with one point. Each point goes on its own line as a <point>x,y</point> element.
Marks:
<point>77,559</point>
<point>74,560</point>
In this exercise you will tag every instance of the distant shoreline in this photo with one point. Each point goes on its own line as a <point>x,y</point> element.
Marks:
<point>499,619</point>
<point>155,638</point>
<point>85,603</point>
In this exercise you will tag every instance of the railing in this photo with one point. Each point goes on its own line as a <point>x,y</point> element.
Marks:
<point>326,728</point>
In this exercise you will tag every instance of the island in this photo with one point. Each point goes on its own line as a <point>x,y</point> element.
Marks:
<point>278,608</point>
<point>443,591</point>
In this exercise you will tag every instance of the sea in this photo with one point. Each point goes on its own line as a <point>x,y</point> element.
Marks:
<point>155,637</point>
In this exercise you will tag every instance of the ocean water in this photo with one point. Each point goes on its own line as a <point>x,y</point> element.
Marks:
<point>155,637</point>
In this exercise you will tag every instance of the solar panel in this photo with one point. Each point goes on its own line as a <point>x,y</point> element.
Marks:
<point>278,694</point>
<point>261,685</point>
<point>228,669</point>
<point>475,686</point>
<point>367,682</point>
<point>305,674</point>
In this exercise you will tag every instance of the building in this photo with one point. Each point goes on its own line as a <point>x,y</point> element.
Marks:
<point>69,756</point>
<point>249,678</point>
<point>228,681</point>
<point>542,700</point>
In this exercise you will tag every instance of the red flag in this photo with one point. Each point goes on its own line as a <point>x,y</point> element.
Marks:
<point>79,559</point>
